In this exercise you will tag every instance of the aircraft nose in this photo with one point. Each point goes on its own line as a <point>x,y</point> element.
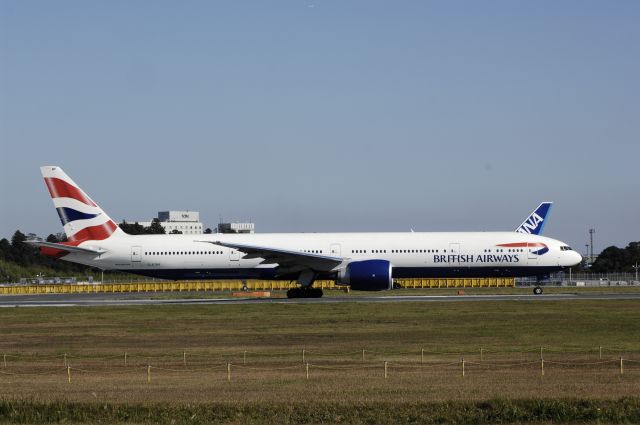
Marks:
<point>570,258</point>
<point>576,258</point>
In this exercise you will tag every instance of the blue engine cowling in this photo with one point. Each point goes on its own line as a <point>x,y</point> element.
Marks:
<point>369,275</point>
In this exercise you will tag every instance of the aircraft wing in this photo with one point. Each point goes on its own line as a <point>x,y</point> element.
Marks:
<point>64,247</point>
<point>284,258</point>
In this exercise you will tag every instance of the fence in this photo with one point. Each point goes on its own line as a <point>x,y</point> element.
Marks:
<point>234,285</point>
<point>306,364</point>
<point>566,278</point>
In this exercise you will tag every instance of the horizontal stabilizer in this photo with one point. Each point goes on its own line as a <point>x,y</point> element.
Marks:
<point>63,247</point>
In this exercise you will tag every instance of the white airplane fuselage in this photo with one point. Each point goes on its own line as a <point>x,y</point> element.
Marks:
<point>411,254</point>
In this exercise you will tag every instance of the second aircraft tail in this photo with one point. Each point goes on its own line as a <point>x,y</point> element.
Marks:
<point>534,224</point>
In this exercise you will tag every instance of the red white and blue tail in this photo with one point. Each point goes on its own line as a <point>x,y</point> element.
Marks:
<point>82,218</point>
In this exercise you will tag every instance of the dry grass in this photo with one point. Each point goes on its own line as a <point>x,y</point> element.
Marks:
<point>332,336</point>
<point>328,382</point>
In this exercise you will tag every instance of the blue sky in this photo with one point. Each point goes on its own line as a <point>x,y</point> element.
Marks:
<point>327,115</point>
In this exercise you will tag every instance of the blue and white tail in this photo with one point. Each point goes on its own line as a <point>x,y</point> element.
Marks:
<point>534,224</point>
<point>81,217</point>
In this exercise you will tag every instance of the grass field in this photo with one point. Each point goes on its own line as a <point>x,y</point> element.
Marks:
<point>271,387</point>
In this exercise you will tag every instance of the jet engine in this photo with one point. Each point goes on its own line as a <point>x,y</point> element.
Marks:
<point>368,275</point>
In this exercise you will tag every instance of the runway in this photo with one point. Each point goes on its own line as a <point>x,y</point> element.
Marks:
<point>138,299</point>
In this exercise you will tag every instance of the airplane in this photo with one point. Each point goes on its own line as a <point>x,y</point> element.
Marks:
<point>534,224</point>
<point>362,261</point>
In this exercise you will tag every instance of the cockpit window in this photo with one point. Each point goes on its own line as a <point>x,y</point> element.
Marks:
<point>565,248</point>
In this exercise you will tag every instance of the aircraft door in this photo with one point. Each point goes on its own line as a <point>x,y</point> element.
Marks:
<point>532,258</point>
<point>136,254</point>
<point>334,250</point>
<point>234,255</point>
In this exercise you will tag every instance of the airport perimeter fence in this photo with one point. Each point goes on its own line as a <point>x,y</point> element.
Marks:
<point>305,364</point>
<point>582,279</point>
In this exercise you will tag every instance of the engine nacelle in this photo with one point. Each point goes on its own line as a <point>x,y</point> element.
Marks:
<point>368,275</point>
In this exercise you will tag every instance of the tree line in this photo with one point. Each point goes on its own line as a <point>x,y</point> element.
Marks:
<point>154,229</point>
<point>138,229</point>
<point>614,259</point>
<point>19,259</point>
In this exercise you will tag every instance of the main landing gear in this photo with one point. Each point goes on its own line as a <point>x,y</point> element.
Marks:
<point>304,292</point>
<point>537,290</point>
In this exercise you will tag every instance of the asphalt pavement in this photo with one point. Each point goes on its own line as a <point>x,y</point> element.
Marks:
<point>159,298</point>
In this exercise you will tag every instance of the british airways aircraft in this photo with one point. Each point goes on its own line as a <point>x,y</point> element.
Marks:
<point>363,261</point>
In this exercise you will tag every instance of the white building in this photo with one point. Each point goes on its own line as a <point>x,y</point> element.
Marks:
<point>236,228</point>
<point>187,222</point>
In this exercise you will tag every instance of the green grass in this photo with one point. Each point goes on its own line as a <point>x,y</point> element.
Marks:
<point>487,412</point>
<point>331,327</point>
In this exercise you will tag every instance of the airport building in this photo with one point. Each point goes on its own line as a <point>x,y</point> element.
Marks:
<point>187,222</point>
<point>236,228</point>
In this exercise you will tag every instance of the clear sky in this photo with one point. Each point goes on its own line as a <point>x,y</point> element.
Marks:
<point>327,115</point>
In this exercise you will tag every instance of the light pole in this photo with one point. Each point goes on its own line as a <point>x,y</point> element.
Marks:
<point>635,266</point>
<point>586,256</point>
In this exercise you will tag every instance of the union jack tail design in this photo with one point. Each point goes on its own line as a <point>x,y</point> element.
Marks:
<point>81,217</point>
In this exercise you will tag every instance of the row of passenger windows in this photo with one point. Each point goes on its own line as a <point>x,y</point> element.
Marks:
<point>424,251</point>
<point>395,251</point>
<point>353,251</point>
<point>504,250</point>
<point>183,253</point>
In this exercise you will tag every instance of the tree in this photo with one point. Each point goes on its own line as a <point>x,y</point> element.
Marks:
<point>175,232</point>
<point>5,248</point>
<point>132,229</point>
<point>21,253</point>
<point>138,229</point>
<point>634,251</point>
<point>614,259</point>
<point>17,240</point>
<point>156,228</point>
<point>208,230</point>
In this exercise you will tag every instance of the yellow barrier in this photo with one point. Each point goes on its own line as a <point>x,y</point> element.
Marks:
<point>236,285</point>
<point>500,282</point>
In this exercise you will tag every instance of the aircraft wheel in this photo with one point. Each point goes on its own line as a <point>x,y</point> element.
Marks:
<point>305,292</point>
<point>537,290</point>
<point>293,293</point>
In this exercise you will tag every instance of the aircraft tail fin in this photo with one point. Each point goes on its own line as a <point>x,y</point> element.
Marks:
<point>534,224</point>
<point>81,217</point>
